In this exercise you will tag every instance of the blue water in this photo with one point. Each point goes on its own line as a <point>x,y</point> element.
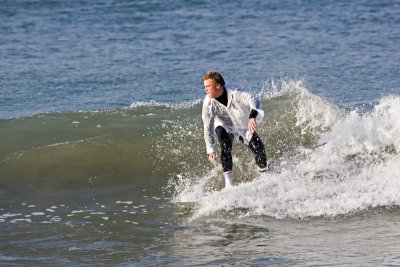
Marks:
<point>133,187</point>
<point>90,55</point>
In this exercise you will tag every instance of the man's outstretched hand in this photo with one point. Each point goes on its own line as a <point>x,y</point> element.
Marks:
<point>212,157</point>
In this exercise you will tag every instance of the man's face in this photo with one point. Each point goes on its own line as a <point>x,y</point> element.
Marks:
<point>212,90</point>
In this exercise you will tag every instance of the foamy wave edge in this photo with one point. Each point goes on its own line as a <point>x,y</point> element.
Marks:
<point>183,105</point>
<point>356,169</point>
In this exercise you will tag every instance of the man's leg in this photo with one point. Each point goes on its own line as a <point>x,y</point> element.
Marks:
<point>257,147</point>
<point>225,140</point>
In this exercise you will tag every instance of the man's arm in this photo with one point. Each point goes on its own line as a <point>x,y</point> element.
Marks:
<point>255,109</point>
<point>208,121</point>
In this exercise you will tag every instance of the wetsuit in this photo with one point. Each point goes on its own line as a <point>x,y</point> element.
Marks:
<point>226,114</point>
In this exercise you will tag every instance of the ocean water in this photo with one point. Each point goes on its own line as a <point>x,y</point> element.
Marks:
<point>102,157</point>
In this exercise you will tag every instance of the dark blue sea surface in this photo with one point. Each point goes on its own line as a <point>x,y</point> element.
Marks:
<point>102,155</point>
<point>90,55</point>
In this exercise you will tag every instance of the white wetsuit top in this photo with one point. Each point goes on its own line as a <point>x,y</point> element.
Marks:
<point>234,117</point>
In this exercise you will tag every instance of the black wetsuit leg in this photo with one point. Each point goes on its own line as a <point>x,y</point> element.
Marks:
<point>225,140</point>
<point>257,147</point>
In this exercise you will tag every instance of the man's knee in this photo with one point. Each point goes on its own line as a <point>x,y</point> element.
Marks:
<point>225,140</point>
<point>257,146</point>
<point>223,136</point>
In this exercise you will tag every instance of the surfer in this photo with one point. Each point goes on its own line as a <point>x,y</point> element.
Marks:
<point>230,113</point>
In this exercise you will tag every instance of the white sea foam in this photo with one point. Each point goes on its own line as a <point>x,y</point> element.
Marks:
<point>183,105</point>
<point>356,169</point>
<point>314,113</point>
<point>21,220</point>
<point>9,215</point>
<point>38,213</point>
<point>124,202</point>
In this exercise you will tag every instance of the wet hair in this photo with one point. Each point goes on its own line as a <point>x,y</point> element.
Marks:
<point>215,76</point>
